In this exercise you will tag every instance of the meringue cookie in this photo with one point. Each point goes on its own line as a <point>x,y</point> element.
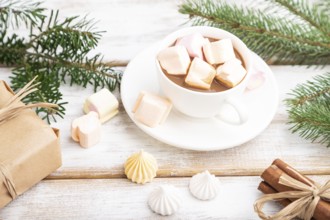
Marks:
<point>175,60</point>
<point>200,75</point>
<point>86,130</point>
<point>231,73</point>
<point>164,200</point>
<point>151,110</point>
<point>193,43</point>
<point>218,51</point>
<point>141,167</point>
<point>204,186</point>
<point>104,103</point>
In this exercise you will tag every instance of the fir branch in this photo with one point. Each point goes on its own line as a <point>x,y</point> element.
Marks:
<point>277,38</point>
<point>57,51</point>
<point>48,89</point>
<point>324,6</point>
<point>311,14</point>
<point>309,109</point>
<point>300,36</point>
<point>15,12</point>
<point>12,49</point>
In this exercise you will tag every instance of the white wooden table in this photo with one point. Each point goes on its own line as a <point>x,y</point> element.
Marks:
<point>91,183</point>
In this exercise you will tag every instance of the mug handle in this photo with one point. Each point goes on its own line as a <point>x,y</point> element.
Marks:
<point>240,108</point>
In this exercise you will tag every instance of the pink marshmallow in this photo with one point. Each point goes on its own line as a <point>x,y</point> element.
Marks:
<point>193,43</point>
<point>86,130</point>
<point>256,81</point>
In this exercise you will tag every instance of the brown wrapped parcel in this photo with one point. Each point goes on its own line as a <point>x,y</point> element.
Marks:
<point>29,150</point>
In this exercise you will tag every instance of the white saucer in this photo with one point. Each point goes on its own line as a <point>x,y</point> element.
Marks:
<point>199,134</point>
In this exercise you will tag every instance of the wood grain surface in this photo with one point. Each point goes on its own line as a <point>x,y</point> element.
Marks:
<point>122,199</point>
<point>121,137</point>
<point>91,183</point>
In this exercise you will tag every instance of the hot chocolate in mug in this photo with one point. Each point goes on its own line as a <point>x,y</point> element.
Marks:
<point>205,104</point>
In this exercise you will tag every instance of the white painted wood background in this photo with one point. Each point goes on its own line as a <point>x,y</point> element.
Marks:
<point>91,183</point>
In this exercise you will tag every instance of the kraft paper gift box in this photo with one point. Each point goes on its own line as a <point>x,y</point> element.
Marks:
<point>29,151</point>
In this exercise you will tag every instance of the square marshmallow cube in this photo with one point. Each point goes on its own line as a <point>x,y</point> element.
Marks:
<point>200,74</point>
<point>86,130</point>
<point>231,73</point>
<point>193,43</point>
<point>175,60</point>
<point>151,110</point>
<point>102,102</point>
<point>219,51</point>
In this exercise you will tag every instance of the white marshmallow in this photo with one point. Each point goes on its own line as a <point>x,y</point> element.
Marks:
<point>219,51</point>
<point>193,43</point>
<point>151,110</point>
<point>102,102</point>
<point>200,74</point>
<point>86,130</point>
<point>231,73</point>
<point>175,60</point>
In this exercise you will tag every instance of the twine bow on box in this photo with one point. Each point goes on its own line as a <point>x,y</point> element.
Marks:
<point>307,198</point>
<point>12,108</point>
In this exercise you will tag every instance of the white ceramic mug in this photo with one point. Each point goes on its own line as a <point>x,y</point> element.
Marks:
<point>202,104</point>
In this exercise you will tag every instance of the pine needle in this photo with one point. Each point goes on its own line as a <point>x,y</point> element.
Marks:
<point>278,38</point>
<point>309,109</point>
<point>285,32</point>
<point>57,51</point>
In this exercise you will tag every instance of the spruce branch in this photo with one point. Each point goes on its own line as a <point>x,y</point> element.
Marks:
<point>284,31</point>
<point>11,48</point>
<point>324,6</point>
<point>309,109</point>
<point>277,38</point>
<point>311,14</point>
<point>57,51</point>
<point>15,12</point>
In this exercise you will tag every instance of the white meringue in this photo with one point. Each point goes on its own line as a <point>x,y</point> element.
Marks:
<point>204,186</point>
<point>164,200</point>
<point>141,167</point>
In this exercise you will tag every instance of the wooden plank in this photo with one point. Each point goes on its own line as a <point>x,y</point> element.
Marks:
<point>132,26</point>
<point>121,137</point>
<point>129,25</point>
<point>121,199</point>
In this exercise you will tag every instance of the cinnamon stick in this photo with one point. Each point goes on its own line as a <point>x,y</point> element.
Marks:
<point>272,175</point>
<point>290,171</point>
<point>267,189</point>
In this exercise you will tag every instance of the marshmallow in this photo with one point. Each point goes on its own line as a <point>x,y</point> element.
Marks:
<point>231,73</point>
<point>175,60</point>
<point>151,110</point>
<point>86,130</point>
<point>200,75</point>
<point>256,80</point>
<point>102,102</point>
<point>218,51</point>
<point>193,43</point>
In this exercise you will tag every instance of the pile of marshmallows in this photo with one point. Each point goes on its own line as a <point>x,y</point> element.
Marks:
<point>209,60</point>
<point>99,108</point>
